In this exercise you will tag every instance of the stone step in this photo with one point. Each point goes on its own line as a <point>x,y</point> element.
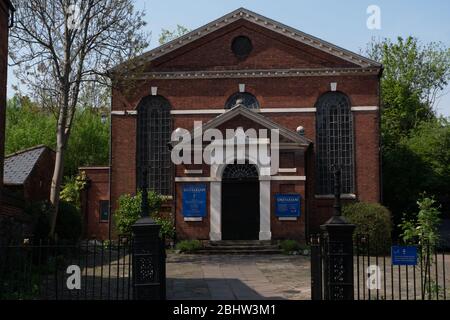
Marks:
<point>233,243</point>
<point>240,247</point>
<point>238,251</point>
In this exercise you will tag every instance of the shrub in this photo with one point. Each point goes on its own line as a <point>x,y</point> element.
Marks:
<point>425,226</point>
<point>188,246</point>
<point>372,220</point>
<point>129,212</point>
<point>40,213</point>
<point>68,224</point>
<point>289,246</point>
<point>72,189</point>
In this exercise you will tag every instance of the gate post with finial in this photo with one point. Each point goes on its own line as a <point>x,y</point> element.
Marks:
<point>149,258</point>
<point>338,250</point>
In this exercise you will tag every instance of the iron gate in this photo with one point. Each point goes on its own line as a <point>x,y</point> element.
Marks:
<point>375,277</point>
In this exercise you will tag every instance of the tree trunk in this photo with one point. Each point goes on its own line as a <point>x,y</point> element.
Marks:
<point>57,178</point>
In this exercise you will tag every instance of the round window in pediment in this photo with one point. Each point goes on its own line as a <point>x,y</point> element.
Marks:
<point>241,46</point>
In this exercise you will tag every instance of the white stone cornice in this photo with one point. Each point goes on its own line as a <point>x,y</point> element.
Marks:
<point>271,73</point>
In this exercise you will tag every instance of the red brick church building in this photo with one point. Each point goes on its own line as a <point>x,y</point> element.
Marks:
<point>247,71</point>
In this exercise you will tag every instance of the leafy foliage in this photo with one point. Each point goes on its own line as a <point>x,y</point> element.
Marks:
<point>68,224</point>
<point>72,189</point>
<point>129,212</point>
<point>28,125</point>
<point>169,35</point>
<point>413,76</point>
<point>425,228</point>
<point>289,246</point>
<point>413,138</point>
<point>188,246</point>
<point>426,155</point>
<point>373,220</point>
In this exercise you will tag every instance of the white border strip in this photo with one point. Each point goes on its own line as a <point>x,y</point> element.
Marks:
<point>330,196</point>
<point>209,179</point>
<point>288,178</point>
<point>288,170</point>
<point>264,110</point>
<point>193,219</point>
<point>195,179</point>
<point>287,218</point>
<point>287,110</point>
<point>200,111</point>
<point>193,171</point>
<point>365,108</point>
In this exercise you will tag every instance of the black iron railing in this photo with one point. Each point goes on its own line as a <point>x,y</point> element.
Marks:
<point>377,278</point>
<point>86,270</point>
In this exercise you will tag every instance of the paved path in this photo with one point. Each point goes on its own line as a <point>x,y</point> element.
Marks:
<point>229,277</point>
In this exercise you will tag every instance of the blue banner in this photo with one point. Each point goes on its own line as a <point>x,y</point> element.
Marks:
<point>287,205</point>
<point>194,200</point>
<point>404,255</point>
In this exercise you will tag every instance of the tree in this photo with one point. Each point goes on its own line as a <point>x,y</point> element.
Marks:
<point>414,76</point>
<point>61,46</point>
<point>28,125</point>
<point>168,35</point>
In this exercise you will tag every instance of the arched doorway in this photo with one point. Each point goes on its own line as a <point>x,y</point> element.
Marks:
<point>240,202</point>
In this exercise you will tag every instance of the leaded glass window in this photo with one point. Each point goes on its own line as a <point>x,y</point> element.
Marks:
<point>334,143</point>
<point>244,98</point>
<point>153,155</point>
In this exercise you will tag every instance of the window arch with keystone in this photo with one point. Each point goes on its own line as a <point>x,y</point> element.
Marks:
<point>154,129</point>
<point>335,143</point>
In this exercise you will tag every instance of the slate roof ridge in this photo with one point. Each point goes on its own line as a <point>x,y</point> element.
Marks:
<point>40,146</point>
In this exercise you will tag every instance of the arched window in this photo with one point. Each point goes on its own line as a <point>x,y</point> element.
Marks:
<point>153,155</point>
<point>334,129</point>
<point>245,98</point>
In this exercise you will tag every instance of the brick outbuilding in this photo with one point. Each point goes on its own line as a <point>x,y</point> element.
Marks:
<point>245,71</point>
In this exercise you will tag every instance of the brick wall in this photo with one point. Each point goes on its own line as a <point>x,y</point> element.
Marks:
<point>270,51</point>
<point>93,227</point>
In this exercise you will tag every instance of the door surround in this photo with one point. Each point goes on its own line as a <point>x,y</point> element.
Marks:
<point>216,201</point>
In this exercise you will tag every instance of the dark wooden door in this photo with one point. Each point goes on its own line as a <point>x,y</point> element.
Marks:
<point>240,210</point>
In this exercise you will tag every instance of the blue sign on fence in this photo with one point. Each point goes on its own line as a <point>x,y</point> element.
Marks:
<point>194,200</point>
<point>287,205</point>
<point>404,255</point>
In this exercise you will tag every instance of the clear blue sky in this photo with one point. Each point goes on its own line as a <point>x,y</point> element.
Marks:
<point>340,22</point>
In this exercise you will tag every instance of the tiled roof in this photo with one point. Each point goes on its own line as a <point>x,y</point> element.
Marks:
<point>19,165</point>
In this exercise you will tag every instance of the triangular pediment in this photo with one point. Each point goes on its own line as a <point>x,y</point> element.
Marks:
<point>201,49</point>
<point>240,116</point>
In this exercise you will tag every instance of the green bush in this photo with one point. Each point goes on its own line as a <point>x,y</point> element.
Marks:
<point>40,213</point>
<point>188,246</point>
<point>68,223</point>
<point>72,188</point>
<point>372,220</point>
<point>129,212</point>
<point>289,246</point>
